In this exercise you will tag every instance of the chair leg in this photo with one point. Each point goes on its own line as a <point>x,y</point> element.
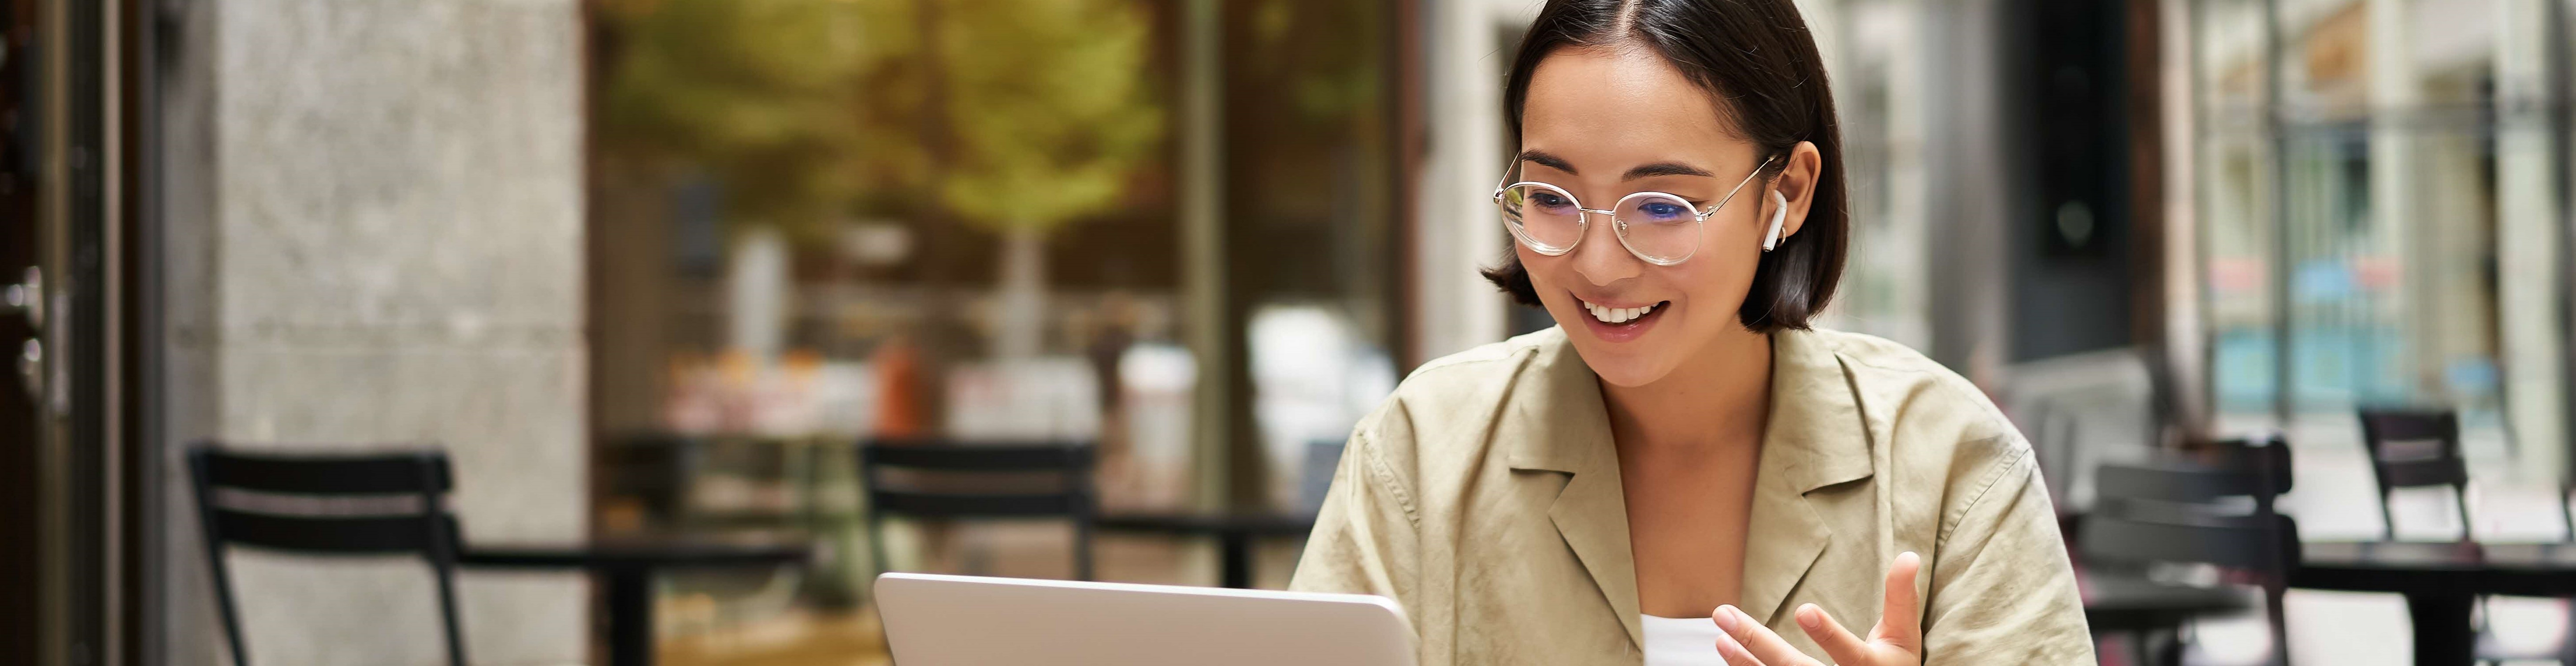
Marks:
<point>442,536</point>
<point>2565,514</point>
<point>2142,650</point>
<point>224,602</point>
<point>1082,550</point>
<point>447,609</point>
<point>876,550</point>
<point>2565,652</point>
<point>216,572</point>
<point>2274,615</point>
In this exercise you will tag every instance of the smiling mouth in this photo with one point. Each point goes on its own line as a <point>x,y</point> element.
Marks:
<point>1621,316</point>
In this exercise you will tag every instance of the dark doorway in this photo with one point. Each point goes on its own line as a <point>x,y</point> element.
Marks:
<point>2072,243</point>
<point>21,316</point>
<point>65,489</point>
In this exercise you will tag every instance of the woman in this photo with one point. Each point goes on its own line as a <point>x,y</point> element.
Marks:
<point>1682,471</point>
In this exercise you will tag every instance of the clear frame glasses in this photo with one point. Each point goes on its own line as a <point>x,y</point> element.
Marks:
<point>1662,229</point>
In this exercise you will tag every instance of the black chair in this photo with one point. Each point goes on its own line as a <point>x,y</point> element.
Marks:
<point>2415,448</point>
<point>950,481</point>
<point>2185,508</point>
<point>361,504</point>
<point>2420,448</point>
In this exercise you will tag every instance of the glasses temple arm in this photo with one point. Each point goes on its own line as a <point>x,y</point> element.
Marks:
<point>1506,179</point>
<point>1739,187</point>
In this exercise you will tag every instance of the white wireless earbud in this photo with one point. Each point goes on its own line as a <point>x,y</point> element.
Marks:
<point>1779,212</point>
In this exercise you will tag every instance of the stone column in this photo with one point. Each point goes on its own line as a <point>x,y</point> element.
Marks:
<point>2397,188</point>
<point>375,215</point>
<point>2530,320</point>
<point>1971,197</point>
<point>1466,57</point>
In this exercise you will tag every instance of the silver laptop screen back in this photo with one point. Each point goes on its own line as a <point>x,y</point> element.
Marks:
<point>935,620</point>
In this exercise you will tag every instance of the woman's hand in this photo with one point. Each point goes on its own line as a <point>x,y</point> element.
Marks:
<point>1896,641</point>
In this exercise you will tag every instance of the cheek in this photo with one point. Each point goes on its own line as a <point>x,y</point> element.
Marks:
<point>1542,270</point>
<point>1715,283</point>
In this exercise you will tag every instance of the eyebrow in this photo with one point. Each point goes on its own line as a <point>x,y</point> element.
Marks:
<point>1641,171</point>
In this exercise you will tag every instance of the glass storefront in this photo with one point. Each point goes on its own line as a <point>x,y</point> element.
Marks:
<point>2382,210</point>
<point>816,223</point>
<point>1873,49</point>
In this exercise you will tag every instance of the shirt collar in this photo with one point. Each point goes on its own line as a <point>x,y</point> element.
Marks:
<point>1815,427</point>
<point>1814,437</point>
<point>1814,432</point>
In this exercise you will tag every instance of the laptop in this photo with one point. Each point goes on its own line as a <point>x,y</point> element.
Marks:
<point>937,620</point>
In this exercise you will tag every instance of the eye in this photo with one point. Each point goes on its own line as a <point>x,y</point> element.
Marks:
<point>1663,210</point>
<point>1550,200</point>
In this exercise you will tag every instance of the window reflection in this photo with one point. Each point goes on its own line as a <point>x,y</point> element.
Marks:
<point>2375,180</point>
<point>817,222</point>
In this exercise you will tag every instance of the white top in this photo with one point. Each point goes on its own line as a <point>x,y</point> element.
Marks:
<point>1688,641</point>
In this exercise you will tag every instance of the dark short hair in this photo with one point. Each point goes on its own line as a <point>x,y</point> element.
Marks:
<point>1756,58</point>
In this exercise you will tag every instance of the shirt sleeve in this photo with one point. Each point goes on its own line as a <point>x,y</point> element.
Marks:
<point>1365,541</point>
<point>2001,589</point>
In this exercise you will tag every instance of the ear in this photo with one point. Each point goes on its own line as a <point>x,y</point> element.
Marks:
<point>1796,183</point>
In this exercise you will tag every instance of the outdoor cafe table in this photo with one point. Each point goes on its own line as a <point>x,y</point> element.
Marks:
<point>2135,605</point>
<point>2441,582</point>
<point>625,569</point>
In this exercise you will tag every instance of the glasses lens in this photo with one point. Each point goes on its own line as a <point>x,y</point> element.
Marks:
<point>1546,218</point>
<point>1661,227</point>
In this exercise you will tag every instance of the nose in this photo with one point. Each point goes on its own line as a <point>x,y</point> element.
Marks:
<point>1600,258</point>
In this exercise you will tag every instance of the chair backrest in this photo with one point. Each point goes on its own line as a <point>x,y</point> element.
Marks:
<point>2079,410</point>
<point>2191,507</point>
<point>2211,504</point>
<point>981,481</point>
<point>960,497</point>
<point>2415,448</point>
<point>2412,448</point>
<point>340,504</point>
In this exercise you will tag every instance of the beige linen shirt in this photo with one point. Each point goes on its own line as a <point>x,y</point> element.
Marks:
<point>1484,498</point>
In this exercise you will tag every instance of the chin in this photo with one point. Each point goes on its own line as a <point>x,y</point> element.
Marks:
<point>1624,365</point>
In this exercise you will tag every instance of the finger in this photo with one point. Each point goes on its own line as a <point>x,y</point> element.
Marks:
<point>1838,643</point>
<point>1759,639</point>
<point>1734,652</point>
<point>1900,621</point>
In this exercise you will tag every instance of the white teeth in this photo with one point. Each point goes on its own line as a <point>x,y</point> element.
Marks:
<point>1616,315</point>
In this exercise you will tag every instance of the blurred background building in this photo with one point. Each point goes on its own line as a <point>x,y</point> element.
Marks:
<point>658,268</point>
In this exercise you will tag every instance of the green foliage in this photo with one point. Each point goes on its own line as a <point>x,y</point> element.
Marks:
<point>785,102</point>
<point>1050,106</point>
<point>1328,54</point>
<point>806,110</point>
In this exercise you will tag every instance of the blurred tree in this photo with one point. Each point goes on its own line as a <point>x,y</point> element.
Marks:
<point>805,110</point>
<point>1050,109</point>
<point>797,107</point>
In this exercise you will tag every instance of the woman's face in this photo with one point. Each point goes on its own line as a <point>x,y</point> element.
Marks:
<point>1605,123</point>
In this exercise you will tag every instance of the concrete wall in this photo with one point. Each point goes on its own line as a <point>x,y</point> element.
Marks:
<point>1971,191</point>
<point>1465,60</point>
<point>375,217</point>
